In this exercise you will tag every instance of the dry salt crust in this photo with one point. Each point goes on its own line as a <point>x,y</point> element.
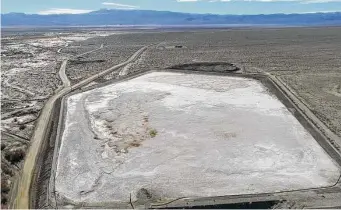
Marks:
<point>216,135</point>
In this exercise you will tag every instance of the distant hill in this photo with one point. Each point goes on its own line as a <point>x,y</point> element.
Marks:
<point>147,17</point>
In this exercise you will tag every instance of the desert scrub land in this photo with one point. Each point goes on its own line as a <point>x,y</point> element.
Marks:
<point>30,63</point>
<point>82,67</point>
<point>307,59</point>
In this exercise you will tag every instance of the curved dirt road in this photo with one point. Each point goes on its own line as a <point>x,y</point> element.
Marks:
<point>62,74</point>
<point>22,193</point>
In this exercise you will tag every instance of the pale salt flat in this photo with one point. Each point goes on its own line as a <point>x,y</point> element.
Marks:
<point>215,136</point>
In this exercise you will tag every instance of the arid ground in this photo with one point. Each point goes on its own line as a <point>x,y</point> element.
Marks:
<point>36,66</point>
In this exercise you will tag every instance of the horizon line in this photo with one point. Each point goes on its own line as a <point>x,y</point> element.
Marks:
<point>295,13</point>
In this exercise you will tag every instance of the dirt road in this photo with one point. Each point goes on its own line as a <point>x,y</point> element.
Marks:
<point>62,75</point>
<point>107,71</point>
<point>91,51</point>
<point>22,193</point>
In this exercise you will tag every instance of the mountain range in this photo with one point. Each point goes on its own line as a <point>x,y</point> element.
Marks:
<point>148,17</point>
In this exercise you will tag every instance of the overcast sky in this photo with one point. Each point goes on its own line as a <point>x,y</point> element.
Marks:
<point>191,6</point>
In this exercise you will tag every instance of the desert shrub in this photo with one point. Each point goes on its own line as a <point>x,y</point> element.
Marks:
<point>153,133</point>
<point>3,199</point>
<point>4,185</point>
<point>15,155</point>
<point>3,146</point>
<point>22,127</point>
<point>5,168</point>
<point>135,144</point>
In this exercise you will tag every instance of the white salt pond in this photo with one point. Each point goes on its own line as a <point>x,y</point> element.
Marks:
<point>184,135</point>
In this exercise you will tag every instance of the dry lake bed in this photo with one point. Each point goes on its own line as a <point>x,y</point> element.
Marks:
<point>184,135</point>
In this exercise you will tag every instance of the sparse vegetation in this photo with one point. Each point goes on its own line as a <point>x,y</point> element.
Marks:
<point>153,133</point>
<point>22,127</point>
<point>15,155</point>
<point>3,146</point>
<point>4,186</point>
<point>305,58</point>
<point>135,144</point>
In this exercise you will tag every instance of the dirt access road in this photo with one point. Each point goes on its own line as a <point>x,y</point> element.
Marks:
<point>21,194</point>
<point>62,74</point>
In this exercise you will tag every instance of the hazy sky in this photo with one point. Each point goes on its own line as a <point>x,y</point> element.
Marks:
<point>192,6</point>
